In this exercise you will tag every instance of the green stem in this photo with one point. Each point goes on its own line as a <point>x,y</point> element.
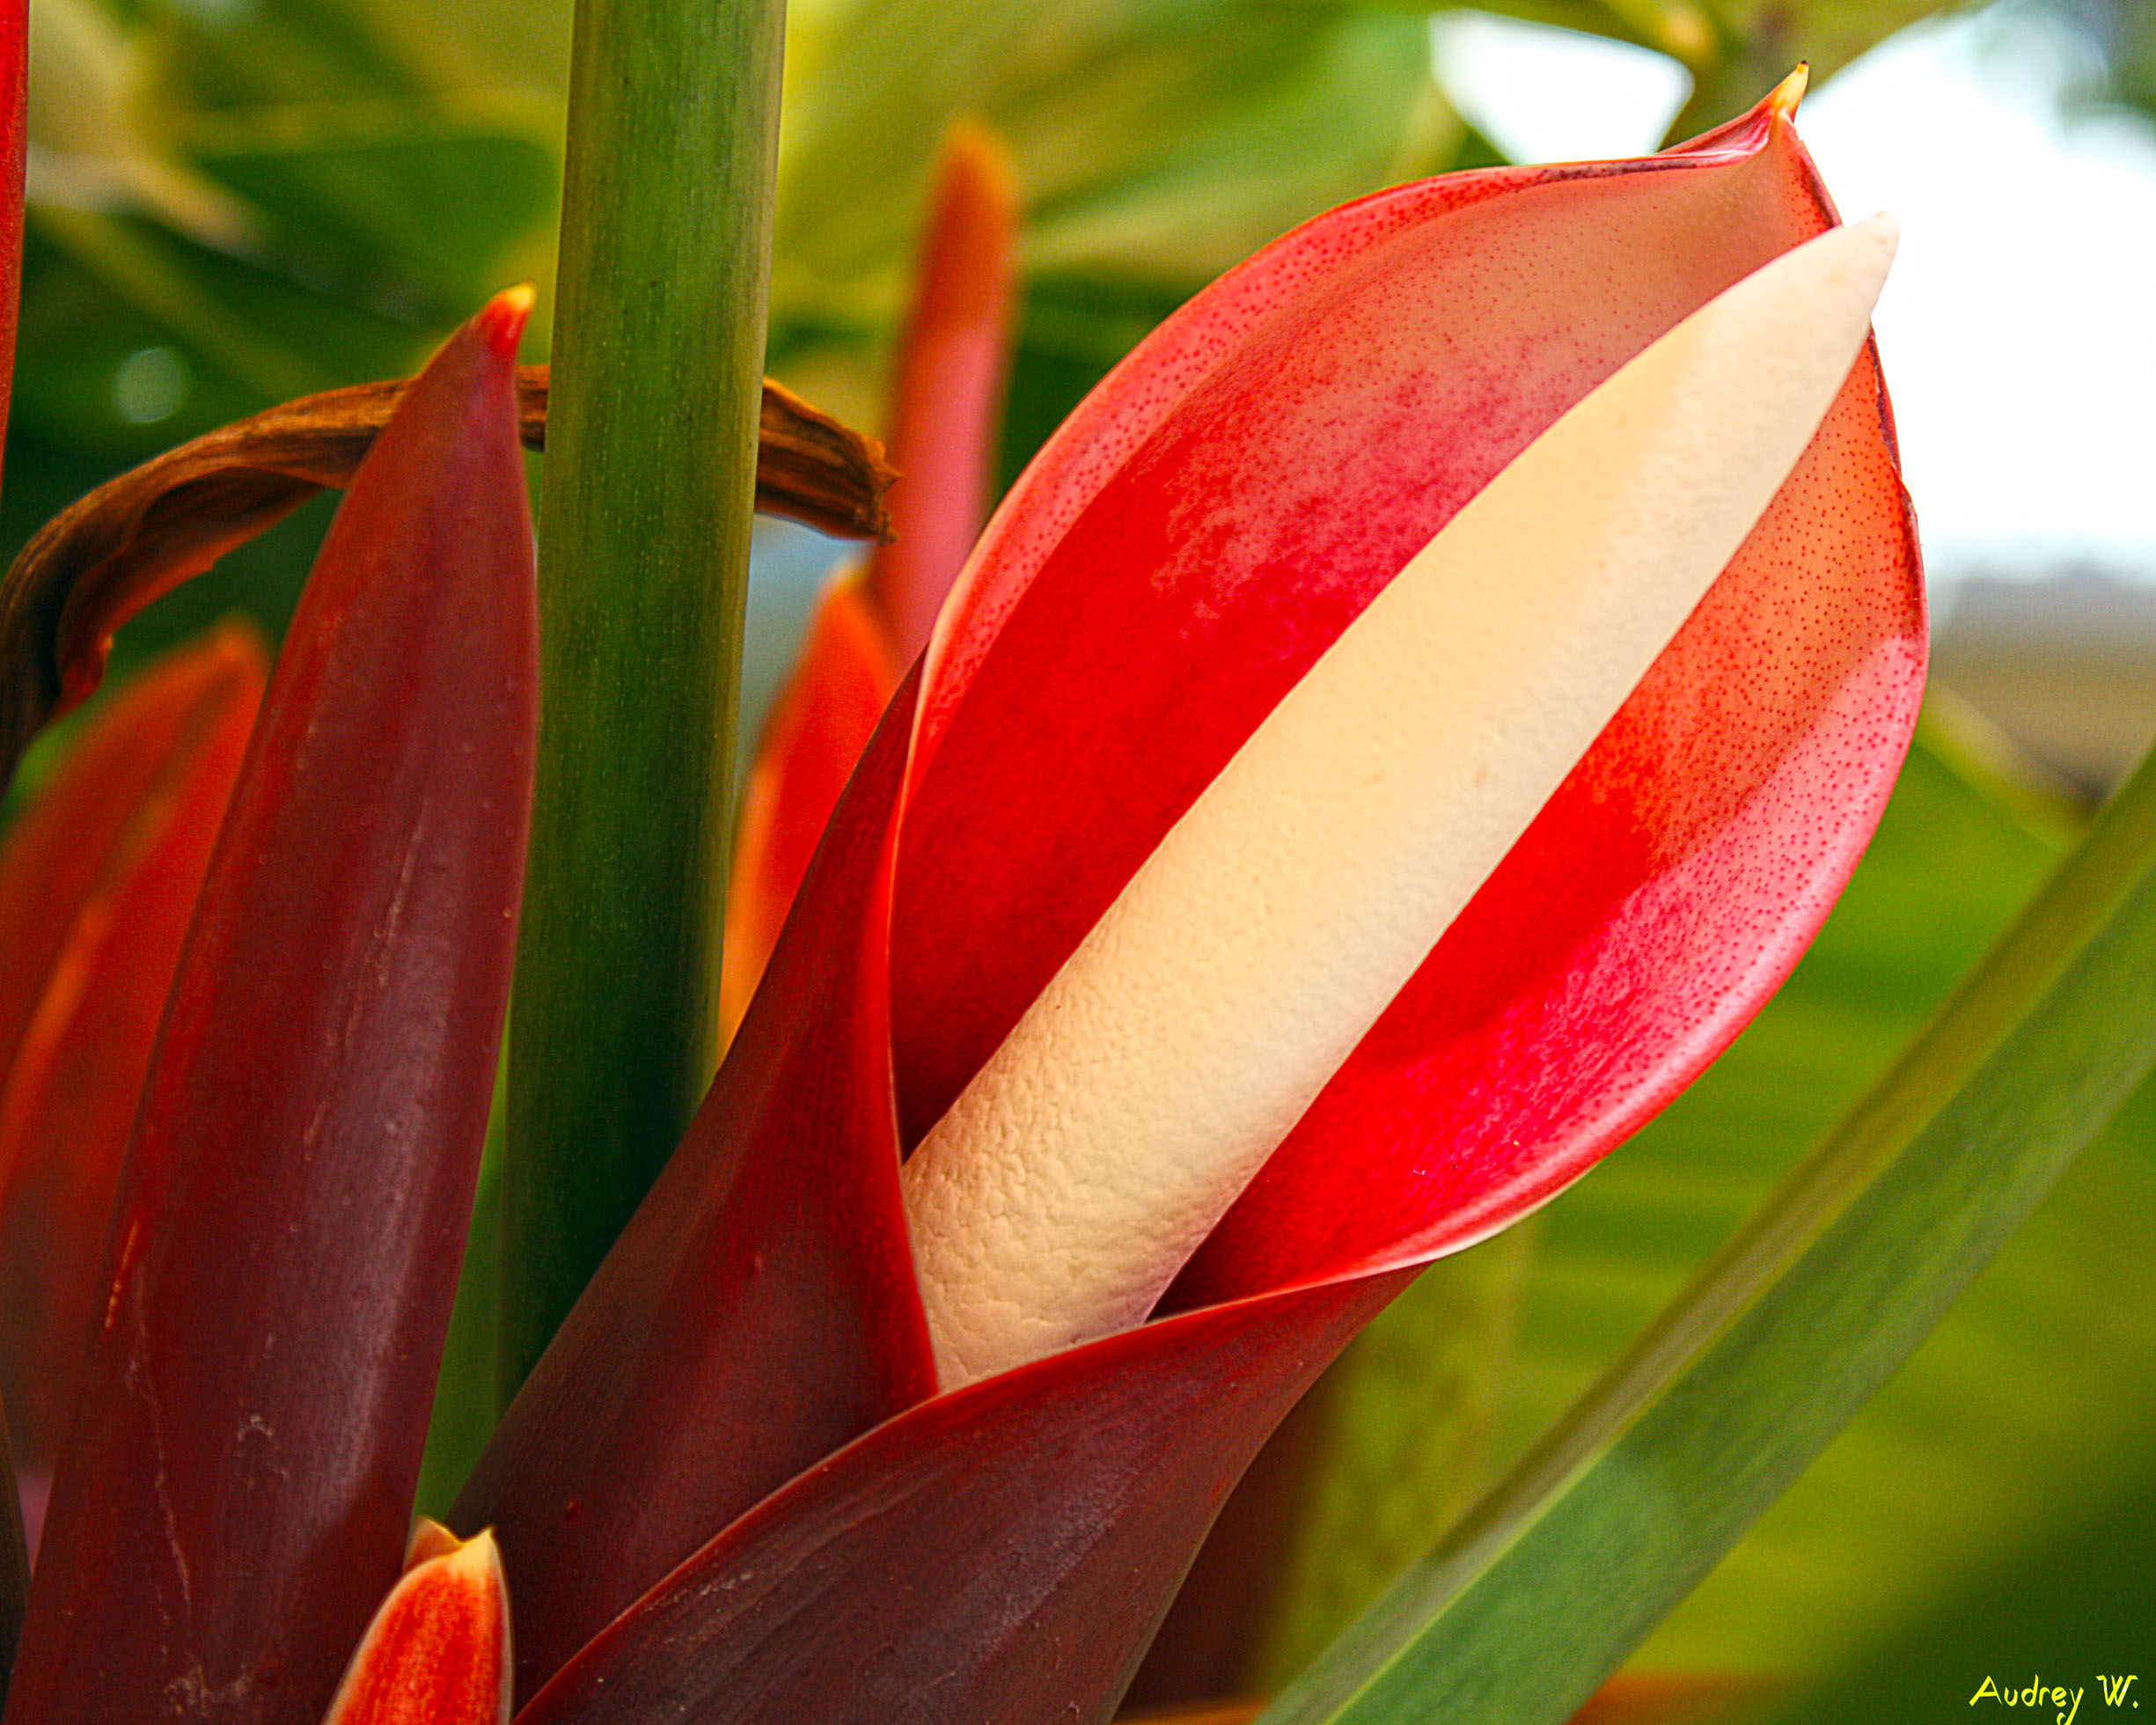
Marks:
<point>647,496</point>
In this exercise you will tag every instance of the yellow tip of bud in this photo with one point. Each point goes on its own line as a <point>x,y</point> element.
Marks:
<point>429,1539</point>
<point>1790,91</point>
<point>502,320</point>
<point>476,1559</point>
<point>975,150</point>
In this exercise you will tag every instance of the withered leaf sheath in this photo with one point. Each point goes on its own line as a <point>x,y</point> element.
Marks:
<point>136,537</point>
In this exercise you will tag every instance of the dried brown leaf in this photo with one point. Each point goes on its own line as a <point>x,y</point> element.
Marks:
<point>107,556</point>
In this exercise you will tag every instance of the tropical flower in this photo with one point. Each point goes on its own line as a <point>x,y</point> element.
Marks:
<point>1392,738</point>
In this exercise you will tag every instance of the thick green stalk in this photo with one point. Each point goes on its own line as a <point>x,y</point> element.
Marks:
<point>643,559</point>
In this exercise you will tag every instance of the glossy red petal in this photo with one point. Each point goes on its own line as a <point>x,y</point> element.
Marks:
<point>1205,526</point>
<point>1002,1552</point>
<point>818,727</point>
<point>107,907</point>
<point>952,367</point>
<point>233,1500</point>
<point>759,1310</point>
<point>437,1652</point>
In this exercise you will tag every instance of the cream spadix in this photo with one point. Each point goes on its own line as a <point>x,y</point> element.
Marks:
<point>1253,950</point>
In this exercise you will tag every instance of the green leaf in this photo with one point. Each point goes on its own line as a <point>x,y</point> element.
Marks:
<point>1621,1508</point>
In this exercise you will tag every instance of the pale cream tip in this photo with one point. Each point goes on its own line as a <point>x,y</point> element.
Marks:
<point>1885,225</point>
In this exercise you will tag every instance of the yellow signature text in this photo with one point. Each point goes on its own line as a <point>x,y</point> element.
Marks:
<point>2115,1691</point>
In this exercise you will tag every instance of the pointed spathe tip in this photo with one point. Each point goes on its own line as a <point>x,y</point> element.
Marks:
<point>429,1541</point>
<point>480,1556</point>
<point>975,158</point>
<point>237,636</point>
<point>476,1561</point>
<point>235,656</point>
<point>1783,97</point>
<point>501,321</point>
<point>967,260</point>
<point>1885,229</point>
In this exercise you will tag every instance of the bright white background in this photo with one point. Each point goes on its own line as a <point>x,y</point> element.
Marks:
<point>2019,331</point>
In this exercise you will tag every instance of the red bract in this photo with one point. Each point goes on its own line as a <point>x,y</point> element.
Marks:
<point>233,1496</point>
<point>1177,558</point>
<point>97,887</point>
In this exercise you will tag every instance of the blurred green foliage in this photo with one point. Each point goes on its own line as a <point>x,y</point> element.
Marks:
<point>1156,140</point>
<point>2064,1614</point>
<point>2133,51</point>
<point>1734,50</point>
